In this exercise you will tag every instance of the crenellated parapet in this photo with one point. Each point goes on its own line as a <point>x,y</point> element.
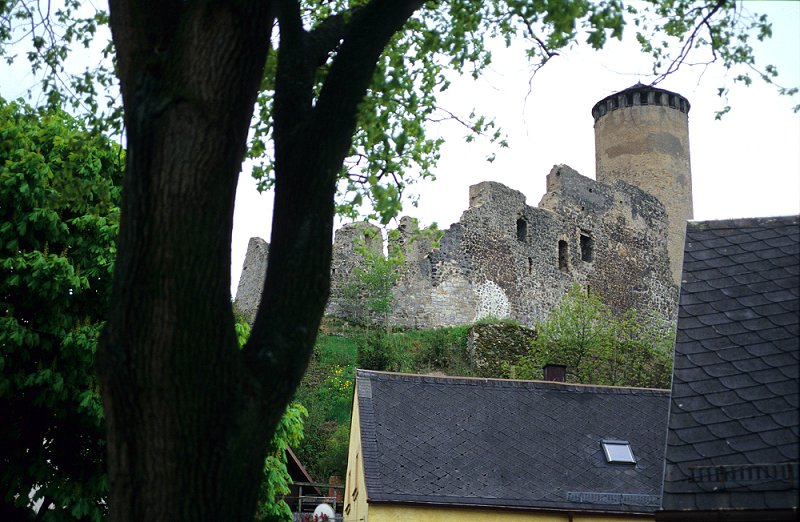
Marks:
<point>640,95</point>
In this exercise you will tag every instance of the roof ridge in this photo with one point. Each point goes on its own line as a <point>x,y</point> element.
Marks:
<point>743,222</point>
<point>512,383</point>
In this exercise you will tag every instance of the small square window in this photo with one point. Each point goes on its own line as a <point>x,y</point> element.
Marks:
<point>618,451</point>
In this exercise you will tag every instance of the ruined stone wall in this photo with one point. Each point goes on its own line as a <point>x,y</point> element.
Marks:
<point>619,244</point>
<point>508,260</point>
<point>620,236</point>
<point>251,282</point>
<point>349,245</point>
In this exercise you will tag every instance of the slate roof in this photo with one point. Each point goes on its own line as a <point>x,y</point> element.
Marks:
<point>514,444</point>
<point>733,428</point>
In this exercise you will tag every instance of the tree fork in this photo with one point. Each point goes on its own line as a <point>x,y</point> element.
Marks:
<point>189,416</point>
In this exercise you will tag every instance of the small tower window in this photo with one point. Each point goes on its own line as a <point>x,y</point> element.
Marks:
<point>522,230</point>
<point>563,255</point>
<point>530,265</point>
<point>618,452</point>
<point>586,247</point>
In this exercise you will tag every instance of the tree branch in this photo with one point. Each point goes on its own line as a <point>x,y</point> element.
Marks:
<point>328,35</point>
<point>311,143</point>
<point>351,72</point>
<point>294,75</point>
<point>688,44</point>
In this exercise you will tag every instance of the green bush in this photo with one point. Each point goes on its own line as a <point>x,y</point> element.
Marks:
<point>376,351</point>
<point>598,347</point>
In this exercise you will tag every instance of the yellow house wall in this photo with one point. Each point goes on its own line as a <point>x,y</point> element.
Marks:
<point>356,508</point>
<point>397,513</point>
<point>355,494</point>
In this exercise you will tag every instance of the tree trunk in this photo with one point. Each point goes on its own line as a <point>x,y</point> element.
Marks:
<point>186,433</point>
<point>188,414</point>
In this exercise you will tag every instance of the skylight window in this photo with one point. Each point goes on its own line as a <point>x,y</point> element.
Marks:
<point>618,451</point>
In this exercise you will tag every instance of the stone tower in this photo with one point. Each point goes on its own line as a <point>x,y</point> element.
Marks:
<point>642,137</point>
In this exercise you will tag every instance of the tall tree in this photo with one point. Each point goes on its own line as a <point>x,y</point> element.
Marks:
<point>59,215</point>
<point>188,414</point>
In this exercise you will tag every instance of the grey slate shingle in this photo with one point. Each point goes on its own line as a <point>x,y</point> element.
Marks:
<point>734,402</point>
<point>520,444</point>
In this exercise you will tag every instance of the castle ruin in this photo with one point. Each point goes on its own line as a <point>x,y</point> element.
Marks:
<point>620,236</point>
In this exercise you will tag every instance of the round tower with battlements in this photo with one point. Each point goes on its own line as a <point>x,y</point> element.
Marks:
<point>641,137</point>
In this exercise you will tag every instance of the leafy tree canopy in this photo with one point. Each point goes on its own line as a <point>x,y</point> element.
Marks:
<point>597,347</point>
<point>59,209</point>
<point>392,146</point>
<point>59,216</point>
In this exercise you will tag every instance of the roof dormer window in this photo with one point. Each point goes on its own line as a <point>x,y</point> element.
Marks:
<point>618,452</point>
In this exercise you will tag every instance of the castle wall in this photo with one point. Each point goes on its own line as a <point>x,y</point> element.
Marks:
<point>350,245</point>
<point>251,282</point>
<point>506,259</point>
<point>620,236</point>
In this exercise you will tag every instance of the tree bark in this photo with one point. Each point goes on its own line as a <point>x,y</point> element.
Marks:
<point>188,414</point>
<point>184,439</point>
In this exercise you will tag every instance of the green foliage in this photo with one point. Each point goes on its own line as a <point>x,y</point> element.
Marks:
<point>59,215</point>
<point>413,351</point>
<point>376,351</point>
<point>289,433</point>
<point>392,146</point>
<point>48,37</point>
<point>275,484</point>
<point>327,390</point>
<point>583,334</point>
<point>369,290</point>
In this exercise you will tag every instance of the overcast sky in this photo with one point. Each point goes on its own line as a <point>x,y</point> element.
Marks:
<point>746,165</point>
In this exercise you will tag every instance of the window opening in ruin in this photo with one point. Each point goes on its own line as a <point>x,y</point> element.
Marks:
<point>522,229</point>
<point>586,248</point>
<point>562,255</point>
<point>629,99</point>
<point>530,265</point>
